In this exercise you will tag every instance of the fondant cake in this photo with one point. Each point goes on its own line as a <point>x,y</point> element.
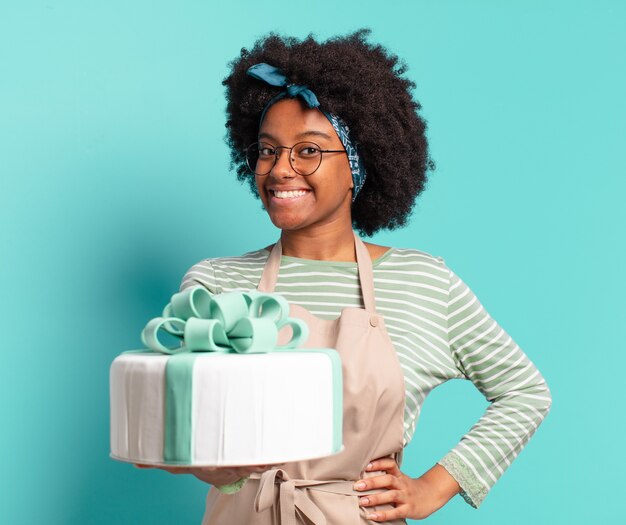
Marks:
<point>228,394</point>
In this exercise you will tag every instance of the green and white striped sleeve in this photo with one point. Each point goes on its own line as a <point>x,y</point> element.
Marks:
<point>201,273</point>
<point>518,394</point>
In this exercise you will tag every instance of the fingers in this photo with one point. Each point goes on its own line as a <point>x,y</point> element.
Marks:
<point>388,515</point>
<point>388,464</point>
<point>389,496</point>
<point>376,482</point>
<point>393,496</point>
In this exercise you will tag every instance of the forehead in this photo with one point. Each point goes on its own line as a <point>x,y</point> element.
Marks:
<point>289,117</point>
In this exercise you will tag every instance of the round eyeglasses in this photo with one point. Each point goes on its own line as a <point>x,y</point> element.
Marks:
<point>304,157</point>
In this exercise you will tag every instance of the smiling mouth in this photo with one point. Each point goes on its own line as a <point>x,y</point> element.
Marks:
<point>291,194</point>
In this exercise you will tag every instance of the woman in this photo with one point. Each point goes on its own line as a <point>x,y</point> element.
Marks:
<point>296,110</point>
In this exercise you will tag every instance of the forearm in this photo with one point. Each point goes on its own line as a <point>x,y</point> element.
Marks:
<point>442,485</point>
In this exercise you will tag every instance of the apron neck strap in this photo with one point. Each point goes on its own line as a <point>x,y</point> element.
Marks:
<point>364,263</point>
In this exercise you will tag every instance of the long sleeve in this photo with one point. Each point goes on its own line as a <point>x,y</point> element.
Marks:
<point>518,394</point>
<point>201,273</point>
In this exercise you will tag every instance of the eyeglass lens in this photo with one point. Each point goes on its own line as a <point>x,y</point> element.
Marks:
<point>304,157</point>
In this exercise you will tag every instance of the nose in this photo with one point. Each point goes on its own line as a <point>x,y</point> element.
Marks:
<point>282,167</point>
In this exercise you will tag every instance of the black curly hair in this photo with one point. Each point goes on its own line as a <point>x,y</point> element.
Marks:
<point>362,83</point>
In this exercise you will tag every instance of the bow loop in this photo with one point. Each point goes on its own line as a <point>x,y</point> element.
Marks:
<point>270,74</point>
<point>292,497</point>
<point>266,494</point>
<point>204,335</point>
<point>228,308</point>
<point>172,325</point>
<point>243,322</point>
<point>275,77</point>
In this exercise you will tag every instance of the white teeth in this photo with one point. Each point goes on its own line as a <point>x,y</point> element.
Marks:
<point>288,194</point>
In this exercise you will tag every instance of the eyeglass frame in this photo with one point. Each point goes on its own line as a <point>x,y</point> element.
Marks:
<point>276,148</point>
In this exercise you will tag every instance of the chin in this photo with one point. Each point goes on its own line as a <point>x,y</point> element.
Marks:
<point>288,223</point>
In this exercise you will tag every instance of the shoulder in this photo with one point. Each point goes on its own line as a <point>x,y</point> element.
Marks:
<point>225,273</point>
<point>239,262</point>
<point>412,257</point>
<point>411,269</point>
<point>375,250</point>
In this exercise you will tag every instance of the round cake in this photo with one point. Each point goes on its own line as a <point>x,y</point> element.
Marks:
<point>242,409</point>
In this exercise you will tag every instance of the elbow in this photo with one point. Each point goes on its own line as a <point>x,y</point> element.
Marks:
<point>548,404</point>
<point>542,398</point>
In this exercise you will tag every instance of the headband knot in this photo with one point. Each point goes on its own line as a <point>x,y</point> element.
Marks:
<point>275,77</point>
<point>295,90</point>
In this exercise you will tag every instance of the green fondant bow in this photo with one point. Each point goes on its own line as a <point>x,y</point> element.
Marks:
<point>244,322</point>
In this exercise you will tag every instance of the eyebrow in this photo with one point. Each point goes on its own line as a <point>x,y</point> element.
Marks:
<point>314,133</point>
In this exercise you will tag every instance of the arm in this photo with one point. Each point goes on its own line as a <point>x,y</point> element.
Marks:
<point>519,396</point>
<point>201,273</point>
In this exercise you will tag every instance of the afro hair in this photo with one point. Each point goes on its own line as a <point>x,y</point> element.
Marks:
<point>362,83</point>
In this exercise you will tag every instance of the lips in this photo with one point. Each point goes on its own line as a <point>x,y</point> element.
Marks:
<point>287,196</point>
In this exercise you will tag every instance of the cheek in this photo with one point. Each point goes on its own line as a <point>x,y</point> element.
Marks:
<point>340,180</point>
<point>344,179</point>
<point>259,189</point>
<point>346,173</point>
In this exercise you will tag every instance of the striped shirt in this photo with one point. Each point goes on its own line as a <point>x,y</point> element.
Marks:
<point>439,330</point>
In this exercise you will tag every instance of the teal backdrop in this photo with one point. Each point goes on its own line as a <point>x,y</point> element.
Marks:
<point>115,180</point>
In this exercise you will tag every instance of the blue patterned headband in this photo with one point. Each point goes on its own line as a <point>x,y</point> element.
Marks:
<point>274,76</point>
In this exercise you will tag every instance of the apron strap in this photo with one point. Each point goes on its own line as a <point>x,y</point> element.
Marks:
<point>270,271</point>
<point>366,275</point>
<point>364,263</point>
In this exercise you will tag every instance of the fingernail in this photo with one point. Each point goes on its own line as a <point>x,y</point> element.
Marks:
<point>359,485</point>
<point>365,501</point>
<point>372,516</point>
<point>369,465</point>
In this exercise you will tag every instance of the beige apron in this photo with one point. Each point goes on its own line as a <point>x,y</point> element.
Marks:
<point>373,423</point>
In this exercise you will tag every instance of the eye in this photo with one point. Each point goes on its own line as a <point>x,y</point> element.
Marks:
<point>266,151</point>
<point>308,151</point>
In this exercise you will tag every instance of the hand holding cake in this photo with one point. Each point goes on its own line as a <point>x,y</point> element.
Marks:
<point>217,476</point>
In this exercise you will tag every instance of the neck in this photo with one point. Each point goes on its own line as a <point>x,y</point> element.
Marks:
<point>330,242</point>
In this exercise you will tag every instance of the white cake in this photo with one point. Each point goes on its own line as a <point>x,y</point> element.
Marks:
<point>209,408</point>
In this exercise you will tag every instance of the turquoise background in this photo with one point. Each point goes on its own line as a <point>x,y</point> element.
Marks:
<point>115,180</point>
